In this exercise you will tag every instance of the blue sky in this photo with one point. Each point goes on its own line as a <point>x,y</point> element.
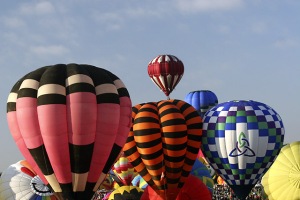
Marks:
<point>238,49</point>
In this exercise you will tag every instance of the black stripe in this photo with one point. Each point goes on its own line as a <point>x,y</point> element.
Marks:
<point>55,74</point>
<point>148,109</point>
<point>156,166</point>
<point>108,98</point>
<point>75,69</point>
<point>189,161</point>
<point>169,111</point>
<point>40,156</point>
<point>98,75</point>
<point>135,109</point>
<point>174,159</point>
<point>80,157</point>
<point>173,169</point>
<point>136,162</point>
<point>129,139</point>
<point>10,106</point>
<point>195,126</point>
<point>177,134</point>
<point>193,149</point>
<point>152,155</point>
<point>67,191</point>
<point>27,92</point>
<point>146,119</point>
<point>194,137</point>
<point>174,147</point>
<point>149,144</point>
<point>176,121</point>
<point>148,131</point>
<point>114,153</point>
<point>87,194</point>
<point>192,115</point>
<point>51,99</point>
<point>183,107</point>
<point>185,173</point>
<point>123,92</point>
<point>36,74</point>
<point>173,180</point>
<point>130,151</point>
<point>163,104</point>
<point>80,87</point>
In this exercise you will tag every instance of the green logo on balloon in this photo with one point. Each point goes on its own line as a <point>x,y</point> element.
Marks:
<point>242,142</point>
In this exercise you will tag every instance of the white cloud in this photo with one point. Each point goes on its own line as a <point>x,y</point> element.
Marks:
<point>13,22</point>
<point>207,5</point>
<point>259,27</point>
<point>286,42</point>
<point>224,29</point>
<point>44,7</point>
<point>49,50</point>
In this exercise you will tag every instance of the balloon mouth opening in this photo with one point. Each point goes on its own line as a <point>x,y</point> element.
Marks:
<point>39,188</point>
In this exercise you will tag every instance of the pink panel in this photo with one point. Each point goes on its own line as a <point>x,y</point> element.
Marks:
<point>28,122</point>
<point>53,124</point>
<point>82,117</point>
<point>15,131</point>
<point>107,127</point>
<point>125,121</point>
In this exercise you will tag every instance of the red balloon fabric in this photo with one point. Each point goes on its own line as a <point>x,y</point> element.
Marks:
<point>166,71</point>
<point>193,189</point>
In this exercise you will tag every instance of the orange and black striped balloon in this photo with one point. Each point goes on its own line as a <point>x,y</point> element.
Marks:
<point>163,144</point>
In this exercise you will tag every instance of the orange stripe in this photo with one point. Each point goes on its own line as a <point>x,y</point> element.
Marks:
<point>145,125</point>
<point>171,116</point>
<point>153,161</point>
<point>181,140</point>
<point>175,128</point>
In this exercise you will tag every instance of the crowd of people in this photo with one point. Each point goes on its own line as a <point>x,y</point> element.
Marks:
<point>220,192</point>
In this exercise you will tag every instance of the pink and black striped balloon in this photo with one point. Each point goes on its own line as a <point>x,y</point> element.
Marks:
<point>70,122</point>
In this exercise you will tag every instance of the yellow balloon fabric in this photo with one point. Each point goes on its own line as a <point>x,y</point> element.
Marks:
<point>282,180</point>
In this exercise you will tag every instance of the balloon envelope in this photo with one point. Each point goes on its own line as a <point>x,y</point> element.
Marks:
<point>282,180</point>
<point>241,139</point>
<point>200,171</point>
<point>19,181</point>
<point>124,170</point>
<point>126,192</point>
<point>73,120</point>
<point>166,71</point>
<point>201,100</point>
<point>139,181</point>
<point>163,144</point>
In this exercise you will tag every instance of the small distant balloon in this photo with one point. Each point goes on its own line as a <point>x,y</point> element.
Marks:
<point>166,71</point>
<point>201,100</point>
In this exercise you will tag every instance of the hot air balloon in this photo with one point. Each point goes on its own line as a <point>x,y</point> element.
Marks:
<point>241,139</point>
<point>126,192</point>
<point>72,122</point>
<point>203,160</point>
<point>124,170</point>
<point>166,71</point>
<point>200,171</point>
<point>107,183</point>
<point>163,144</point>
<point>282,180</point>
<point>19,181</point>
<point>139,181</point>
<point>194,188</point>
<point>201,100</point>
